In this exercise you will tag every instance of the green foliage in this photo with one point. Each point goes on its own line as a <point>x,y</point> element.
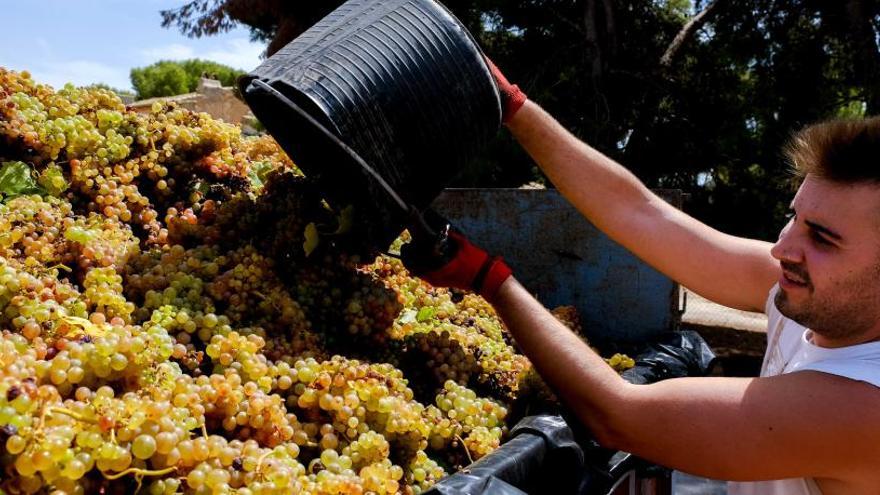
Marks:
<point>312,238</point>
<point>164,78</point>
<point>258,174</point>
<point>169,78</point>
<point>16,179</point>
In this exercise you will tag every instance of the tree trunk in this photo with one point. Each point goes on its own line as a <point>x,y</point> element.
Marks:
<point>863,37</point>
<point>610,28</point>
<point>594,48</point>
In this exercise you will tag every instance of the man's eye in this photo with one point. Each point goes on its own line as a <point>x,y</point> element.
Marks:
<point>819,239</point>
<point>790,215</point>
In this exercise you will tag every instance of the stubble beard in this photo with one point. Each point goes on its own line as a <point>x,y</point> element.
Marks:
<point>844,312</point>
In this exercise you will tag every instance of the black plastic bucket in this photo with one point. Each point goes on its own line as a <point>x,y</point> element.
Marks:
<point>394,91</point>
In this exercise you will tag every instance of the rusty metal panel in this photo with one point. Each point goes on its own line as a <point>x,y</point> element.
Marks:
<point>562,259</point>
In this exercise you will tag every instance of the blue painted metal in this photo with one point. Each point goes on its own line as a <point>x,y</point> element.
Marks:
<point>562,259</point>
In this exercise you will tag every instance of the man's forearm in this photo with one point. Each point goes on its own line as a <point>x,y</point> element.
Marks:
<point>580,377</point>
<point>598,186</point>
<point>615,201</point>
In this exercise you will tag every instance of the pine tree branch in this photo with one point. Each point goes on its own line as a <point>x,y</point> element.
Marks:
<point>686,33</point>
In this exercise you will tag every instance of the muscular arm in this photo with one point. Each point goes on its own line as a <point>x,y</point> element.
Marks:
<point>730,270</point>
<point>805,424</point>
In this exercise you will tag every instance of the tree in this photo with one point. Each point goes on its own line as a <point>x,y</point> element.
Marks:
<point>169,78</point>
<point>273,21</point>
<point>699,95</point>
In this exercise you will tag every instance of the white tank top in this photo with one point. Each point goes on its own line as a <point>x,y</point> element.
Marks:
<point>790,349</point>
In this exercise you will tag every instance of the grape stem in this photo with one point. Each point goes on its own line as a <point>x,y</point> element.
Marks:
<point>73,414</point>
<point>260,460</point>
<point>263,297</point>
<point>138,472</point>
<point>466,451</point>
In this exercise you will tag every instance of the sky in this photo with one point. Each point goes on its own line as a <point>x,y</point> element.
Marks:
<point>100,41</point>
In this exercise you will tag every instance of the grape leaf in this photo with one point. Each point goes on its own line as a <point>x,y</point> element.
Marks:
<point>407,316</point>
<point>201,187</point>
<point>345,220</point>
<point>425,314</point>
<point>16,179</point>
<point>257,173</point>
<point>312,238</point>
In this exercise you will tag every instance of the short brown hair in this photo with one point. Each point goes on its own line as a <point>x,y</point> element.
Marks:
<point>841,150</point>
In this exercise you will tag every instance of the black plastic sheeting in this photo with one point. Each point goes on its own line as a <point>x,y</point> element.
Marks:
<point>545,454</point>
<point>537,444</point>
<point>673,355</point>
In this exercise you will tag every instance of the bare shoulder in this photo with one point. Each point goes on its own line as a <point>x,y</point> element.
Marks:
<point>845,412</point>
<point>837,403</point>
<point>805,424</point>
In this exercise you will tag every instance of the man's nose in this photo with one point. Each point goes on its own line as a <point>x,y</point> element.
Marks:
<point>786,248</point>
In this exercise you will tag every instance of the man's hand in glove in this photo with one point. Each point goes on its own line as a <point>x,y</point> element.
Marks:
<point>512,98</point>
<point>469,268</point>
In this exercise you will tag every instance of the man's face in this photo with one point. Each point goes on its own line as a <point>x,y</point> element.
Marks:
<point>830,257</point>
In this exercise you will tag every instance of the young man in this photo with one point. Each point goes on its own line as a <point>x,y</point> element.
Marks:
<point>811,423</point>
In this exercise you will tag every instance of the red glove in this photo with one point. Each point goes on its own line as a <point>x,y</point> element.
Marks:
<point>470,269</point>
<point>512,98</point>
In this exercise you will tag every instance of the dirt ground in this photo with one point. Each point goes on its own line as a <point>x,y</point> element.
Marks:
<point>737,337</point>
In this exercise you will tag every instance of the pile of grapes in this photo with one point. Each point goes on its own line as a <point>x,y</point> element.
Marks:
<point>181,313</point>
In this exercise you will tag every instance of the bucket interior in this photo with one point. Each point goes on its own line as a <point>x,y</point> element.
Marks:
<point>341,178</point>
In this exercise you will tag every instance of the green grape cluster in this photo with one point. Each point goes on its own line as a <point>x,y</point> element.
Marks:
<point>181,312</point>
<point>54,123</point>
<point>32,231</point>
<point>462,416</point>
<point>423,472</point>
